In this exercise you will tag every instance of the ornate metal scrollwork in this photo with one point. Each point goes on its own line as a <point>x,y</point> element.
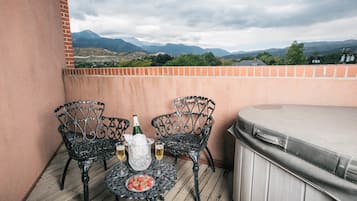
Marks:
<point>186,131</point>
<point>88,135</point>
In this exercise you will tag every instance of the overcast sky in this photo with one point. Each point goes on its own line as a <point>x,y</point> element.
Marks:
<point>230,24</point>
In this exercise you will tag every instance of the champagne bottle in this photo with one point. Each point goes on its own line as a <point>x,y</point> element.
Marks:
<point>136,126</point>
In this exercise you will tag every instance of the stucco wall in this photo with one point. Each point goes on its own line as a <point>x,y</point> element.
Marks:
<point>31,86</point>
<point>149,96</point>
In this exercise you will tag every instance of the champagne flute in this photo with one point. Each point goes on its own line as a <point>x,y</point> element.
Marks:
<point>159,154</point>
<point>120,152</point>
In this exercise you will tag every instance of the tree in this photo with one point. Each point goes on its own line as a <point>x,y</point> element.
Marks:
<point>136,62</point>
<point>210,59</point>
<point>269,59</point>
<point>295,54</point>
<point>186,60</point>
<point>206,59</point>
<point>227,62</point>
<point>161,59</point>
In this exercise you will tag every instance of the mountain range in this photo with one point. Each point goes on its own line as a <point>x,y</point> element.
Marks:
<point>310,48</point>
<point>89,39</point>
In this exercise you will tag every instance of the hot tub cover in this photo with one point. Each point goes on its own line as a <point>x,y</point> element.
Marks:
<point>318,143</point>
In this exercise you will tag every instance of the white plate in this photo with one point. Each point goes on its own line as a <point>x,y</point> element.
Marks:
<point>143,190</point>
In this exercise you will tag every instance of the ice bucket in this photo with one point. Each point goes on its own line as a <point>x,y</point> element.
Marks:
<point>139,149</point>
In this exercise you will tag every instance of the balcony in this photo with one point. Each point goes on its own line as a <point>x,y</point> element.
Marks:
<point>38,75</point>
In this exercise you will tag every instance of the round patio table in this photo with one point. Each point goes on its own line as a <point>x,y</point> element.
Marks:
<point>163,182</point>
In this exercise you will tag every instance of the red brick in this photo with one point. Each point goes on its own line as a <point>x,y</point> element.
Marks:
<point>291,71</point>
<point>266,70</point>
<point>340,71</point>
<point>243,71</point>
<point>250,71</point>
<point>308,71</point>
<point>330,70</point>
<point>319,71</point>
<point>191,71</point>
<point>300,71</point>
<point>170,71</point>
<point>210,71</point>
<point>205,70</point>
<point>236,71</point>
<point>281,71</point>
<point>273,71</point>
<point>216,71</point>
<point>174,71</point>
<point>352,71</point>
<point>198,71</point>
<point>258,71</point>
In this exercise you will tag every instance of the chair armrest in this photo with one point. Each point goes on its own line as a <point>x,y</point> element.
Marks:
<point>206,131</point>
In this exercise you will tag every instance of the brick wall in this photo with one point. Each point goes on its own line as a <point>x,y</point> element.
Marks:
<point>67,37</point>
<point>295,71</point>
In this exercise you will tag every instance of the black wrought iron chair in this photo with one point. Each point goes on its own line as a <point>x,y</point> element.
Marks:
<point>88,135</point>
<point>186,131</point>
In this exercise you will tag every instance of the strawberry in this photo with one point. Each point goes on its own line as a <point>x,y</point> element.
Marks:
<point>131,180</point>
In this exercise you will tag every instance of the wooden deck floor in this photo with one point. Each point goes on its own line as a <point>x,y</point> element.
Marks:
<point>213,185</point>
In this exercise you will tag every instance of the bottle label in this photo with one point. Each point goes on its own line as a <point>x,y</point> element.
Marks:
<point>135,121</point>
<point>136,126</point>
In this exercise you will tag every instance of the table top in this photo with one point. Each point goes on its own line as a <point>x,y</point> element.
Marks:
<point>163,182</point>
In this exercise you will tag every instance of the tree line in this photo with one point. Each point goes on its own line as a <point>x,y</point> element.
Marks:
<point>293,56</point>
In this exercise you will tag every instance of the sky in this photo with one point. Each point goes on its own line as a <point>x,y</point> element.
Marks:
<point>234,25</point>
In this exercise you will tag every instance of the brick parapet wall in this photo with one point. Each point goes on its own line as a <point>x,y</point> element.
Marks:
<point>296,71</point>
<point>67,36</point>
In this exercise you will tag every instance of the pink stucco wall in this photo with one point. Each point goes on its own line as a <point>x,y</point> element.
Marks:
<point>31,86</point>
<point>149,96</point>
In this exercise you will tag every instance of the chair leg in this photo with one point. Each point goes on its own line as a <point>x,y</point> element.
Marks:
<point>176,156</point>
<point>105,164</point>
<point>195,159</point>
<point>211,159</point>
<point>84,166</point>
<point>65,173</point>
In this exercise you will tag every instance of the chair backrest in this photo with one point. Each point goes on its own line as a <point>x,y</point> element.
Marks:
<point>82,119</point>
<point>194,112</point>
<point>113,128</point>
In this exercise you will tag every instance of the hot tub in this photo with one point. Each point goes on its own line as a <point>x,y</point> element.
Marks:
<point>295,152</point>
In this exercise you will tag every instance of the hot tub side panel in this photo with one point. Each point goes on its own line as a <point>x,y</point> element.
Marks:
<point>257,179</point>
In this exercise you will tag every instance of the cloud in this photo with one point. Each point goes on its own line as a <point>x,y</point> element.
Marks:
<point>206,21</point>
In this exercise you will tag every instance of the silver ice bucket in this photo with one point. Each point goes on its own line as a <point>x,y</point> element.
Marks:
<point>139,149</point>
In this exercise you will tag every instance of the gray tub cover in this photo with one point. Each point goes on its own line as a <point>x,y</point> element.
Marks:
<point>317,143</point>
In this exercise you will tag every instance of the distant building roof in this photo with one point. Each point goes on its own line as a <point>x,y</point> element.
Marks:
<point>254,62</point>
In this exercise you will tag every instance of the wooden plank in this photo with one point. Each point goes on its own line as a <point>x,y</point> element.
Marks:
<point>183,176</point>
<point>215,190</point>
<point>47,187</point>
<point>225,192</point>
<point>283,186</point>
<point>212,182</point>
<point>203,180</point>
<point>187,190</point>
